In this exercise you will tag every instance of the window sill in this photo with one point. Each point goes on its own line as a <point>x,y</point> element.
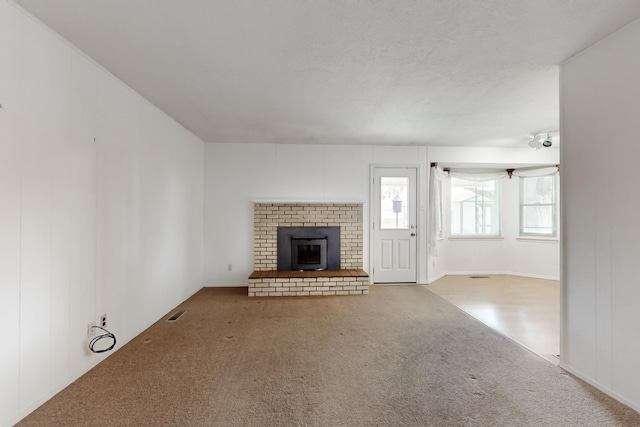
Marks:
<point>537,239</point>
<point>476,238</point>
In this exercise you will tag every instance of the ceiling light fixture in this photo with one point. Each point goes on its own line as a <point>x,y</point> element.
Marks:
<point>539,140</point>
<point>536,141</point>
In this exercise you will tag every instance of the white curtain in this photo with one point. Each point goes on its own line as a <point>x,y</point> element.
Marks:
<point>489,176</point>
<point>437,176</point>
<point>551,170</point>
<point>478,176</point>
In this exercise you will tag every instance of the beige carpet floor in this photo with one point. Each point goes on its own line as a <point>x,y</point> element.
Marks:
<point>400,356</point>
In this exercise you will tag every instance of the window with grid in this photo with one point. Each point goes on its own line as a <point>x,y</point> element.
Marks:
<point>538,206</point>
<point>475,208</point>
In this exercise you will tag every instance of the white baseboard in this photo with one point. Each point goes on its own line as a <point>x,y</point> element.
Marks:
<point>226,285</point>
<point>599,386</point>
<point>430,280</point>
<point>490,273</point>
<point>534,276</point>
<point>92,361</point>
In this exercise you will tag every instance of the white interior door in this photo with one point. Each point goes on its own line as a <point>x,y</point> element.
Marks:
<point>394,227</point>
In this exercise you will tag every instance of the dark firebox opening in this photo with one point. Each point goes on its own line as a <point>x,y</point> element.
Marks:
<point>308,254</point>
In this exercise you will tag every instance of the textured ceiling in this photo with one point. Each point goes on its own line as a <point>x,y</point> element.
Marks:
<point>435,72</point>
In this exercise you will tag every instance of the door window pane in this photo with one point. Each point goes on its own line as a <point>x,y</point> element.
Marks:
<point>394,203</point>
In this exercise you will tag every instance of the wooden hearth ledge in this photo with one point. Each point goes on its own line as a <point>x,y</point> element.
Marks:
<point>297,274</point>
<point>308,283</point>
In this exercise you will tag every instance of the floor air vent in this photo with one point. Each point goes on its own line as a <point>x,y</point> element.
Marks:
<point>479,277</point>
<point>176,316</point>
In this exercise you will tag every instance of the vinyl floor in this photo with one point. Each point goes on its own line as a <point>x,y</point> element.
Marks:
<point>524,309</point>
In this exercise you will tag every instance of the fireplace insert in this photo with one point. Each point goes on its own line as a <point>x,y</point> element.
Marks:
<point>308,248</point>
<point>308,254</point>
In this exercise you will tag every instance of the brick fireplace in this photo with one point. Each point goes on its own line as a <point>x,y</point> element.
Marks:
<point>348,279</point>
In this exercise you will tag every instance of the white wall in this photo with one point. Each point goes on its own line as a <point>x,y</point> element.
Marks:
<point>510,254</point>
<point>238,174</point>
<point>600,103</point>
<point>87,227</point>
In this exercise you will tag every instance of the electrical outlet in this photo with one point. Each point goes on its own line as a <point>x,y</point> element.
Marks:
<point>91,331</point>
<point>103,320</point>
<point>229,267</point>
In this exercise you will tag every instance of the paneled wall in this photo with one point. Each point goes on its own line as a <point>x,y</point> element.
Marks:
<point>600,103</point>
<point>100,212</point>
<point>239,174</point>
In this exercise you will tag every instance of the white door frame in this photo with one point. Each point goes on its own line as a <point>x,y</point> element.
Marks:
<point>372,214</point>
